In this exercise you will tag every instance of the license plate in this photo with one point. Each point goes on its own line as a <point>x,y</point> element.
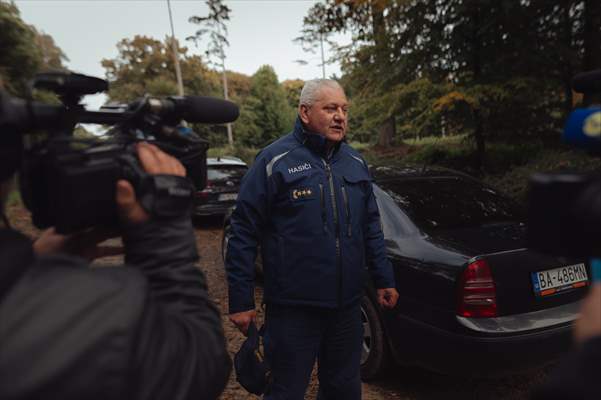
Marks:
<point>227,196</point>
<point>558,280</point>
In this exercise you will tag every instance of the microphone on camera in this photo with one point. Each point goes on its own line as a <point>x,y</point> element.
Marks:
<point>583,129</point>
<point>200,109</point>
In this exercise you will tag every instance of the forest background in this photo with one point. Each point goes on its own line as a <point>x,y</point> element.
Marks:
<point>481,86</point>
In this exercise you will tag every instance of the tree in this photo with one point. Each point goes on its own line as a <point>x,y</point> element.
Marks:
<point>144,66</point>
<point>293,88</point>
<point>214,25</point>
<point>313,35</point>
<point>592,43</point>
<point>497,69</point>
<point>265,114</point>
<point>24,51</point>
<point>366,20</point>
<point>52,57</point>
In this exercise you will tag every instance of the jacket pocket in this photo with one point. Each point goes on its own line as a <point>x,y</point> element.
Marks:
<point>354,196</point>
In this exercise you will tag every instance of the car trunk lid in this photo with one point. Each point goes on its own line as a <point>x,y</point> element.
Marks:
<point>518,284</point>
<point>515,268</point>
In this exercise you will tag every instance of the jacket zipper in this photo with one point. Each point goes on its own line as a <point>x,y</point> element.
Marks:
<point>322,201</point>
<point>348,211</point>
<point>337,227</point>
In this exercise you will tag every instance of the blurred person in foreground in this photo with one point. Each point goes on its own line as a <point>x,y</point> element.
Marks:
<point>578,375</point>
<point>308,202</point>
<point>145,331</point>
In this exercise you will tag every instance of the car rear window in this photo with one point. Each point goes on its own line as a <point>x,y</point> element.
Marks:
<point>226,172</point>
<point>446,203</point>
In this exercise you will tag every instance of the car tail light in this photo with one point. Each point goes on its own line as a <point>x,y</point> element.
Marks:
<point>477,293</point>
<point>204,193</point>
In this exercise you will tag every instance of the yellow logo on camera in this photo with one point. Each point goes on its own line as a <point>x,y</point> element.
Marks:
<point>592,125</point>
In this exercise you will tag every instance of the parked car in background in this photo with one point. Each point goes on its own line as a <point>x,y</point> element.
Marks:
<point>223,183</point>
<point>474,301</point>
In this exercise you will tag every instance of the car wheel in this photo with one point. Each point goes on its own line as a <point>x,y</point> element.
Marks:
<point>374,351</point>
<point>224,241</point>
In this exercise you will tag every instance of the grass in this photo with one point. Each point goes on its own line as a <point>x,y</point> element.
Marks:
<point>508,166</point>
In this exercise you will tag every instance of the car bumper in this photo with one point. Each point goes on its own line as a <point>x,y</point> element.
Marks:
<point>509,347</point>
<point>212,209</point>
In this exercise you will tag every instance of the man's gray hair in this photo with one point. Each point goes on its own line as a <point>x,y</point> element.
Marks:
<point>310,92</point>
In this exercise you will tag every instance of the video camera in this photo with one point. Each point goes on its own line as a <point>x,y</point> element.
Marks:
<point>69,182</point>
<point>565,208</point>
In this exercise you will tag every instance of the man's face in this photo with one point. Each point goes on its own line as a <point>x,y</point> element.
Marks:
<point>328,116</point>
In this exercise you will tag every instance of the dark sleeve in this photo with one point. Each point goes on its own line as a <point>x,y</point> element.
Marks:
<point>577,377</point>
<point>379,266</point>
<point>180,350</point>
<point>246,226</point>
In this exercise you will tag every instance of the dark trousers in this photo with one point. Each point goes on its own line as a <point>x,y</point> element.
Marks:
<point>295,336</point>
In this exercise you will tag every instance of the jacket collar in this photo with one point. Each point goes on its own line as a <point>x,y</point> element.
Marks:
<point>314,141</point>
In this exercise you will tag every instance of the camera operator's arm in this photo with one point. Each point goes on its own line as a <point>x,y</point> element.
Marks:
<point>181,349</point>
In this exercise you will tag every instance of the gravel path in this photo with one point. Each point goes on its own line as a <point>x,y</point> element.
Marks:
<point>400,383</point>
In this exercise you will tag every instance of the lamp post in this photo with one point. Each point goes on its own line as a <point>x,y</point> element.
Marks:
<point>178,71</point>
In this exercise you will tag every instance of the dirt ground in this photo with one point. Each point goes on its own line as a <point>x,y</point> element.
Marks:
<point>399,383</point>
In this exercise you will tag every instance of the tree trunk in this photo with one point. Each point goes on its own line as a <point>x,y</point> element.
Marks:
<point>386,132</point>
<point>568,70</point>
<point>477,71</point>
<point>592,43</point>
<point>387,128</point>
<point>479,136</point>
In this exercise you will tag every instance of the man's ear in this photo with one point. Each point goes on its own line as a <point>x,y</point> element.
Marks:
<point>303,111</point>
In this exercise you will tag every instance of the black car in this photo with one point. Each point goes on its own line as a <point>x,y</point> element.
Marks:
<point>474,301</point>
<point>223,182</point>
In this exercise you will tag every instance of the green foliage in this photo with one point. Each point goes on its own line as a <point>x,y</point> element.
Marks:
<point>145,66</point>
<point>293,88</point>
<point>23,50</point>
<point>514,181</point>
<point>265,114</point>
<point>508,168</point>
<point>496,70</point>
<point>19,57</point>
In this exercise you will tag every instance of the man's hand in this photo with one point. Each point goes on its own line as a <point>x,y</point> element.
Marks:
<point>589,323</point>
<point>155,162</point>
<point>388,297</point>
<point>243,319</point>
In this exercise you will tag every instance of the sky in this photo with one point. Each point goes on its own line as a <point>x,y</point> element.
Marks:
<point>259,31</point>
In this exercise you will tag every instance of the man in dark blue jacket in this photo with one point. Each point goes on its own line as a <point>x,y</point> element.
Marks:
<point>308,202</point>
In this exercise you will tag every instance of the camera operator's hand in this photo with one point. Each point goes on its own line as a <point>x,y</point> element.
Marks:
<point>155,162</point>
<point>83,244</point>
<point>243,319</point>
<point>589,323</point>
